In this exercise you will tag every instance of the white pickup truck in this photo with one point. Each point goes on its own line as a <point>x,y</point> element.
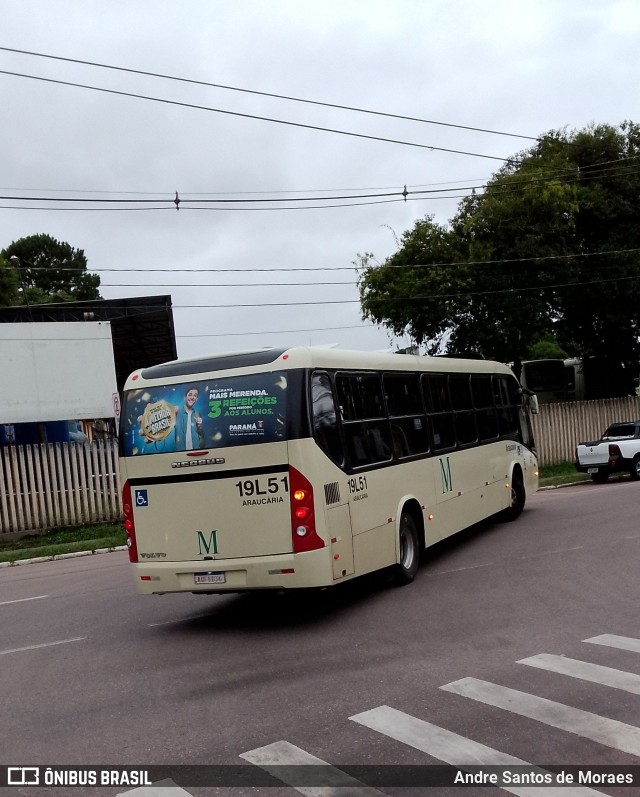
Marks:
<point>617,451</point>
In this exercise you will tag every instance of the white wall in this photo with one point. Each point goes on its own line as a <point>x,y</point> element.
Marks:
<point>56,371</point>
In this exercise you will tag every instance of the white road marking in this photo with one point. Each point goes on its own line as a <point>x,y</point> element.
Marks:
<point>456,750</point>
<point>275,758</point>
<point>607,676</point>
<point>460,569</point>
<point>550,553</point>
<point>518,559</point>
<point>613,641</point>
<point>179,620</point>
<point>22,600</point>
<point>163,788</point>
<point>42,645</point>
<point>609,732</point>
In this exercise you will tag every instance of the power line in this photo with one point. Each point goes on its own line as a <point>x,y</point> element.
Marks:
<point>264,93</point>
<point>310,269</point>
<point>428,297</point>
<point>568,176</point>
<point>364,325</point>
<point>252,116</point>
<point>431,297</point>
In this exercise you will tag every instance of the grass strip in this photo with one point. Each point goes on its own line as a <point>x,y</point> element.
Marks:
<point>66,540</point>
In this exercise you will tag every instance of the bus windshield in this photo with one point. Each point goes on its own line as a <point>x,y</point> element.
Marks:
<point>210,413</point>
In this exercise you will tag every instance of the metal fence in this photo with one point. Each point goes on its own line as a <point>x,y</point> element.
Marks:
<point>69,484</point>
<point>58,484</point>
<point>558,428</point>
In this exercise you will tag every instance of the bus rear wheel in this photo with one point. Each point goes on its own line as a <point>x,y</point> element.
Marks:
<point>407,567</point>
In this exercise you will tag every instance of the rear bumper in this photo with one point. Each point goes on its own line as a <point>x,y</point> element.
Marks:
<point>285,571</point>
<point>613,465</point>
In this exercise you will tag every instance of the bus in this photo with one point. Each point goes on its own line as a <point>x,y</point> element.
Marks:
<point>578,379</point>
<point>554,379</point>
<point>298,468</point>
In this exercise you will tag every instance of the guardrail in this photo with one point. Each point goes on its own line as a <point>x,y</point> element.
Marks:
<point>58,484</point>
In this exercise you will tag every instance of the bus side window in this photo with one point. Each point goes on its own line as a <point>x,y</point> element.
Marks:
<point>464,416</point>
<point>325,420</point>
<point>486,416</point>
<point>406,415</point>
<point>504,391</point>
<point>436,392</point>
<point>366,428</point>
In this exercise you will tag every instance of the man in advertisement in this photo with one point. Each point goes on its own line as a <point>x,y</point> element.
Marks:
<point>188,428</point>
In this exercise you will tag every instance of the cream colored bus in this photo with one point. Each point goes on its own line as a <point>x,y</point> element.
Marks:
<point>279,469</point>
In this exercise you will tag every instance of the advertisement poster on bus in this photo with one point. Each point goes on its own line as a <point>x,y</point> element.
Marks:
<point>205,414</point>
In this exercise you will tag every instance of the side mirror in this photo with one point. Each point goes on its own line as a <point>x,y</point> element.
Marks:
<point>533,404</point>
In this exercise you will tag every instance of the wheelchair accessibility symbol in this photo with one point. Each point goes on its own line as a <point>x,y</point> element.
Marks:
<point>142,498</point>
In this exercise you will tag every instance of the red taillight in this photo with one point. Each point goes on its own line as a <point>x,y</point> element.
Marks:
<point>303,524</point>
<point>615,455</point>
<point>129,525</point>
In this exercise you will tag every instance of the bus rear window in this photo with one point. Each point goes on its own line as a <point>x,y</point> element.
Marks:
<point>205,414</point>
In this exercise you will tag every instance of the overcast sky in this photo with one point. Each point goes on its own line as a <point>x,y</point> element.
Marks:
<point>514,67</point>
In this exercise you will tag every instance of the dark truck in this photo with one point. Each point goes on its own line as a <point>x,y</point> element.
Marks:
<point>617,451</point>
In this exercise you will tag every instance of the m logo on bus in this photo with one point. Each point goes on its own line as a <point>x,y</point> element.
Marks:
<point>210,547</point>
<point>445,475</point>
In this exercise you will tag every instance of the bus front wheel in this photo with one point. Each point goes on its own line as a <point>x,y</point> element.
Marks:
<point>518,497</point>
<point>407,567</point>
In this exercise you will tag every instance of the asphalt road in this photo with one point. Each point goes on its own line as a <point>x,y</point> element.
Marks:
<point>94,674</point>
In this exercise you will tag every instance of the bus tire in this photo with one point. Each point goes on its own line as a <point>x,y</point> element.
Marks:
<point>407,567</point>
<point>518,497</point>
<point>634,470</point>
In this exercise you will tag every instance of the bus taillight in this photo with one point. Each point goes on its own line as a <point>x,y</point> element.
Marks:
<point>129,524</point>
<point>303,524</point>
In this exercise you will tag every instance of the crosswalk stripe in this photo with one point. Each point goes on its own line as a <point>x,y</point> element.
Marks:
<point>597,674</point>
<point>603,730</point>
<point>275,758</point>
<point>456,750</point>
<point>614,641</point>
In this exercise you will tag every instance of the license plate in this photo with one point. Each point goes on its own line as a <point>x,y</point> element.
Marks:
<point>592,470</point>
<point>209,578</point>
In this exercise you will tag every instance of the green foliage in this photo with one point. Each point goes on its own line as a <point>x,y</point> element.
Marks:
<point>547,349</point>
<point>537,254</point>
<point>61,541</point>
<point>8,283</point>
<point>49,271</point>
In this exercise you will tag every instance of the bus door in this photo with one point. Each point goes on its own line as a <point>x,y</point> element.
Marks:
<point>336,495</point>
<point>339,528</point>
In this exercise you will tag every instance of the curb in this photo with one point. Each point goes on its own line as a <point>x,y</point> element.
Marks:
<point>56,557</point>
<point>560,486</point>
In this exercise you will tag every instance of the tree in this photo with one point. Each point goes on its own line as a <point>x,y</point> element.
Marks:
<point>547,348</point>
<point>530,257</point>
<point>8,283</point>
<point>50,271</point>
<point>409,293</point>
